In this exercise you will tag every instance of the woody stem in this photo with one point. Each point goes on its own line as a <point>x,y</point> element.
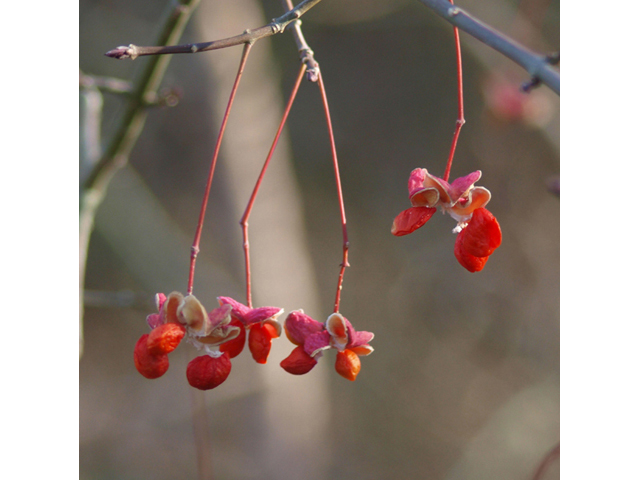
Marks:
<point>460,121</point>
<point>343,217</point>
<point>195,249</point>
<point>244,222</point>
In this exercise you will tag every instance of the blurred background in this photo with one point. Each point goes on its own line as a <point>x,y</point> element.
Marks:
<point>464,380</point>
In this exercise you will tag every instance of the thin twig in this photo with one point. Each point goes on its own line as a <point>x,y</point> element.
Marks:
<point>244,222</point>
<point>305,52</point>
<point>536,65</point>
<point>195,249</point>
<point>343,216</point>
<point>460,120</point>
<point>277,25</point>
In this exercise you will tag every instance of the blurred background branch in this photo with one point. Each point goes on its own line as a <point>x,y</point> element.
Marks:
<point>116,155</point>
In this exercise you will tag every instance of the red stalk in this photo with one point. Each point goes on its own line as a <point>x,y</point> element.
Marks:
<point>343,217</point>
<point>244,222</point>
<point>460,120</point>
<point>195,249</point>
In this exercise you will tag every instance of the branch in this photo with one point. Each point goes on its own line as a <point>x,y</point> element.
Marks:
<point>538,66</point>
<point>145,88</point>
<point>277,25</point>
<point>305,52</point>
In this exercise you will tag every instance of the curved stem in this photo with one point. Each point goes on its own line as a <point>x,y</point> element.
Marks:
<point>343,217</point>
<point>460,120</point>
<point>195,249</point>
<point>244,222</point>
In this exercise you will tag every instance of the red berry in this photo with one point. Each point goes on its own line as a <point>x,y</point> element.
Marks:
<point>149,365</point>
<point>348,364</point>
<point>260,337</point>
<point>235,346</point>
<point>468,261</point>
<point>483,234</point>
<point>165,338</point>
<point>411,219</point>
<point>206,372</point>
<point>298,362</point>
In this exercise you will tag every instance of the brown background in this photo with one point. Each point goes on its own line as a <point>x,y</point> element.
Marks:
<point>464,381</point>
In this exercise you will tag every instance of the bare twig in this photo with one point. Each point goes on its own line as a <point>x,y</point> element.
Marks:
<point>538,66</point>
<point>306,54</point>
<point>277,25</point>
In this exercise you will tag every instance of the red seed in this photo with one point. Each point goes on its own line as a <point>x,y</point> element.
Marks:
<point>206,372</point>
<point>165,338</point>
<point>470,262</point>
<point>411,219</point>
<point>150,366</point>
<point>348,364</point>
<point>298,362</point>
<point>260,337</point>
<point>483,234</point>
<point>235,346</point>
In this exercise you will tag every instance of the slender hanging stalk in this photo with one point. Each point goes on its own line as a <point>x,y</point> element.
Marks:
<point>343,217</point>
<point>460,120</point>
<point>195,249</point>
<point>244,222</point>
